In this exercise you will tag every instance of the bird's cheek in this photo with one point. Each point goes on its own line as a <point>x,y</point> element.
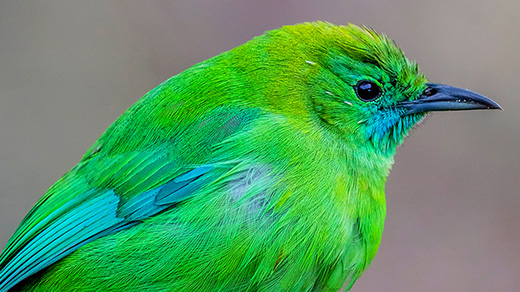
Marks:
<point>325,110</point>
<point>382,124</point>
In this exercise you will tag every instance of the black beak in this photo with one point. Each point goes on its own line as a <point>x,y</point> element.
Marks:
<point>440,97</point>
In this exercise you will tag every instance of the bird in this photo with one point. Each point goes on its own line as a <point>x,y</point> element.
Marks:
<point>260,169</point>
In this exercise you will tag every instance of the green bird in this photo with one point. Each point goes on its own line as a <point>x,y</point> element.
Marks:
<point>260,169</point>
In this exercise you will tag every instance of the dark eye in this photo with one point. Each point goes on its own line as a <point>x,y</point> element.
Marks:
<point>367,90</point>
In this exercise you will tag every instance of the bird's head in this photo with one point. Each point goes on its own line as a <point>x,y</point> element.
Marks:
<point>361,86</point>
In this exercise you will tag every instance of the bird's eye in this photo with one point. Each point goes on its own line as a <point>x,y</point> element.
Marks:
<point>367,90</point>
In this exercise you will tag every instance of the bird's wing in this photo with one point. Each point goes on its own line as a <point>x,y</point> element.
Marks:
<point>101,196</point>
<point>74,213</point>
<point>56,227</point>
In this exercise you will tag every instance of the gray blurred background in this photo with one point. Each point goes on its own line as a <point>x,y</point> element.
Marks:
<point>68,69</point>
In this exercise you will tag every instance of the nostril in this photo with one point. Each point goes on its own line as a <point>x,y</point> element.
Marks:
<point>429,91</point>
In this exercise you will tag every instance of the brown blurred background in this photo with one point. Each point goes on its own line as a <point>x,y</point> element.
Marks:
<point>68,69</point>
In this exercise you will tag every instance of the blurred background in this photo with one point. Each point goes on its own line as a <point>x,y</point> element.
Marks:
<point>68,69</point>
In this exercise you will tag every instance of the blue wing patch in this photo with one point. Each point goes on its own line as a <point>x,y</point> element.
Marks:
<point>87,217</point>
<point>183,185</point>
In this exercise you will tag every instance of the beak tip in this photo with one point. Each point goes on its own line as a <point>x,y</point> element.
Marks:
<point>494,105</point>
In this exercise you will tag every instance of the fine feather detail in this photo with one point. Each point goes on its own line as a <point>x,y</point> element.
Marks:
<point>86,218</point>
<point>64,232</point>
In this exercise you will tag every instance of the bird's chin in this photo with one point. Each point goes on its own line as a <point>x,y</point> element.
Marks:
<point>401,130</point>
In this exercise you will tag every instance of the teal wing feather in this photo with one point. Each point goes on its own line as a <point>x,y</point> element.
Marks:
<point>41,241</point>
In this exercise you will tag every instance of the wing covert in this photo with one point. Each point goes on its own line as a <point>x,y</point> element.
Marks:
<point>88,216</point>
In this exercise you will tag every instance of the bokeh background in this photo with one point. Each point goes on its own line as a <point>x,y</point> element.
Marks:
<point>68,69</point>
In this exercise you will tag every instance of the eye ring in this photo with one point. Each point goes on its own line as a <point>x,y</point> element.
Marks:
<point>367,90</point>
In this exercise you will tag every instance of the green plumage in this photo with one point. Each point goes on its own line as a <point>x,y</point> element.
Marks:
<point>260,169</point>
